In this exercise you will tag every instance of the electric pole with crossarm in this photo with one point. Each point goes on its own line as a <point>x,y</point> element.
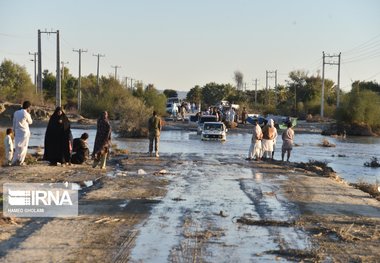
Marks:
<point>79,78</point>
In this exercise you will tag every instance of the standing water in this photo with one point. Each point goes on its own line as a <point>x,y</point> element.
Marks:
<point>347,158</point>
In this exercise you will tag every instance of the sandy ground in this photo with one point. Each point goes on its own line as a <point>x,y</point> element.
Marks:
<point>335,222</point>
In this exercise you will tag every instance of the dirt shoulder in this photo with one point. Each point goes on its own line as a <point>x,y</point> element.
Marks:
<point>343,223</point>
<point>108,213</point>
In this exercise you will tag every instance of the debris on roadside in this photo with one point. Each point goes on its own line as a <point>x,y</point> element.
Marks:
<point>141,172</point>
<point>222,214</point>
<point>326,143</point>
<point>264,222</point>
<point>107,220</point>
<point>374,163</point>
<point>178,199</point>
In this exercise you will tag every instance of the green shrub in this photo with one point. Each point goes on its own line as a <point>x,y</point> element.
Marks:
<point>360,107</point>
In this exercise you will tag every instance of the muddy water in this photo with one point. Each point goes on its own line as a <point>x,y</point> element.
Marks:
<point>355,150</point>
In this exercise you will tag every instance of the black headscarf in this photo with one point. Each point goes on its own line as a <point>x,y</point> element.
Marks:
<point>58,138</point>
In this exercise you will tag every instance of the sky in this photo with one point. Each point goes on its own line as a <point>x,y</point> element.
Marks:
<point>177,44</point>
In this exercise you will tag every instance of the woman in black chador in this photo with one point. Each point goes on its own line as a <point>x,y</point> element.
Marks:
<point>58,138</point>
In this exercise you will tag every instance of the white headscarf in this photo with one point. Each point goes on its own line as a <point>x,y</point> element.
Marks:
<point>271,123</point>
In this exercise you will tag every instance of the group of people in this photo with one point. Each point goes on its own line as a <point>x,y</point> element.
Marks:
<point>59,145</point>
<point>263,142</point>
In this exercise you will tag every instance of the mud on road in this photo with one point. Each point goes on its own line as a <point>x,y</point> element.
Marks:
<point>196,208</point>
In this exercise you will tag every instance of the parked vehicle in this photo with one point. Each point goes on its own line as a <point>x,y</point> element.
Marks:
<point>280,122</point>
<point>213,131</point>
<point>203,119</point>
<point>171,103</point>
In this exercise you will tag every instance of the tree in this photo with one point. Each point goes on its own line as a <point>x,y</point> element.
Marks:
<point>308,90</point>
<point>360,106</point>
<point>366,85</point>
<point>213,93</point>
<point>15,83</point>
<point>170,93</point>
<point>48,86</point>
<point>194,95</point>
<point>154,99</point>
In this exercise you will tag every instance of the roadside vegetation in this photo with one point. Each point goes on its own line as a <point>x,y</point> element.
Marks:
<point>300,97</point>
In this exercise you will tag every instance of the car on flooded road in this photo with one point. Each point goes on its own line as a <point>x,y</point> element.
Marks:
<point>214,131</point>
<point>203,119</point>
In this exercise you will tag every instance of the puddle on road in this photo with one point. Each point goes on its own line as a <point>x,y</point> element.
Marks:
<point>198,218</point>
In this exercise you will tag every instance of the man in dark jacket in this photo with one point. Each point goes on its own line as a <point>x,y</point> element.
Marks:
<point>154,126</point>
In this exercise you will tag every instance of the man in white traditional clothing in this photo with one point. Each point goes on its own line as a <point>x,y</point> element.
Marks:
<point>254,152</point>
<point>269,134</point>
<point>21,122</point>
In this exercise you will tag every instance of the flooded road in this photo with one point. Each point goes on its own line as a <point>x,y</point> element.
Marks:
<point>197,220</point>
<point>347,158</point>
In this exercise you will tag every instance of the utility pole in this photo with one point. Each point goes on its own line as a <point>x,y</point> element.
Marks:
<point>126,82</point>
<point>58,91</point>
<point>256,92</point>
<point>115,67</point>
<point>338,86</point>
<point>331,62</point>
<point>35,69</point>
<point>58,70</point>
<point>275,86</point>
<point>97,68</point>
<point>79,78</point>
<point>269,75</point>
<point>39,78</point>
<point>63,69</point>
<point>132,84</point>
<point>323,84</point>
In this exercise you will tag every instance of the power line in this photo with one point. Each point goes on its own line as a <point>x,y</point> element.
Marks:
<point>366,57</point>
<point>361,45</point>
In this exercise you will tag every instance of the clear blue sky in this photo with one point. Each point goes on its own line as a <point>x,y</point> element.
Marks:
<point>177,44</point>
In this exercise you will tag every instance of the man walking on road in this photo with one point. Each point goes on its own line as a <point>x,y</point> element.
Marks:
<point>21,122</point>
<point>154,126</point>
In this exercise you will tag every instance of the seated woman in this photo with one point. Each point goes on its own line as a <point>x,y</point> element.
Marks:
<point>80,149</point>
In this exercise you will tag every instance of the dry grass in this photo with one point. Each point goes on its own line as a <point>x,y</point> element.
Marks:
<point>371,189</point>
<point>326,143</point>
<point>297,255</point>
<point>317,167</point>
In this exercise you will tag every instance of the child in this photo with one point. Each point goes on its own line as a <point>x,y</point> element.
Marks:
<point>80,149</point>
<point>8,143</point>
